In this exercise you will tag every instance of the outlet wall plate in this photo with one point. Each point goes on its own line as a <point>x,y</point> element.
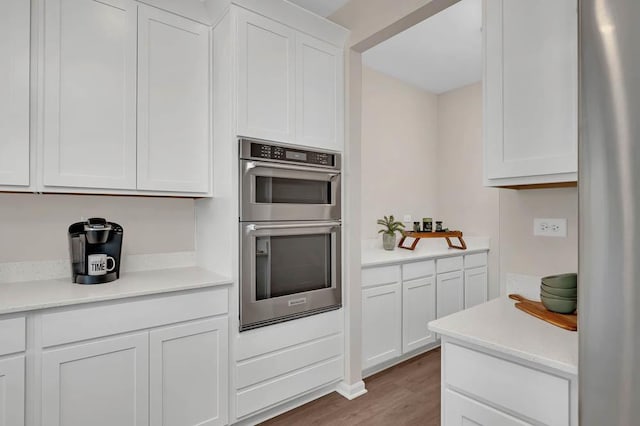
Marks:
<point>550,227</point>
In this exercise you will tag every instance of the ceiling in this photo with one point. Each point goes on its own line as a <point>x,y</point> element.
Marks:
<point>439,54</point>
<point>321,7</point>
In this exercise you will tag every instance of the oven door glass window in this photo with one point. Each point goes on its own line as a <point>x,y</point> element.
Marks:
<point>277,190</point>
<point>291,264</point>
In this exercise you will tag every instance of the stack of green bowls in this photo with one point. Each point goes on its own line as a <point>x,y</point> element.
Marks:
<point>559,293</point>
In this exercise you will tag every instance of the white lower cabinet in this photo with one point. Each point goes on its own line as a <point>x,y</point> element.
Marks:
<point>159,360</point>
<point>418,308</point>
<point>399,301</point>
<point>463,411</point>
<point>475,286</point>
<point>483,387</point>
<point>12,394</point>
<point>284,362</point>
<point>102,383</point>
<point>450,292</point>
<point>187,381</point>
<point>381,324</point>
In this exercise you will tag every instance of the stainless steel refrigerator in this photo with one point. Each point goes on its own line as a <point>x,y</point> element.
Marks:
<point>609,214</point>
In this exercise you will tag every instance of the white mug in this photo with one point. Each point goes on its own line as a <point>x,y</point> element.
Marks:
<point>98,264</point>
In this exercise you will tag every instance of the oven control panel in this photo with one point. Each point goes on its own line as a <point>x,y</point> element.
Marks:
<point>295,155</point>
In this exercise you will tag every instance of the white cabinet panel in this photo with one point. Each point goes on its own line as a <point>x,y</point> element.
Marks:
<point>449,264</point>
<point>450,293</point>
<point>381,324</point>
<point>14,92</point>
<point>319,93</point>
<point>188,379</point>
<point>90,94</point>
<point>415,270</point>
<point>532,393</point>
<point>12,391</point>
<point>531,90</point>
<point>381,275</point>
<point>266,78</point>
<point>173,102</point>
<point>102,383</point>
<point>475,286</point>
<point>463,411</point>
<point>418,308</point>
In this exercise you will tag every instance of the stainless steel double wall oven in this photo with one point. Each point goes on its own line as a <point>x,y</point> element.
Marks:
<point>290,232</point>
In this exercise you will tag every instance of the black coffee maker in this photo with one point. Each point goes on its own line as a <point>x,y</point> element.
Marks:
<point>95,248</point>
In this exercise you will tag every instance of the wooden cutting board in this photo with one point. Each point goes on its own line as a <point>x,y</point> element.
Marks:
<point>537,309</point>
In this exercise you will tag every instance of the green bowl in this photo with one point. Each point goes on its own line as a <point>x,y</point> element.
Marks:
<point>562,292</point>
<point>554,296</point>
<point>559,306</point>
<point>561,281</point>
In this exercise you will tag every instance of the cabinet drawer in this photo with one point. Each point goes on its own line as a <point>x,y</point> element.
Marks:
<point>276,364</point>
<point>107,319</point>
<point>475,260</point>
<point>414,270</point>
<point>12,335</point>
<point>289,386</point>
<point>460,410</point>
<point>534,394</point>
<point>449,264</point>
<point>381,275</point>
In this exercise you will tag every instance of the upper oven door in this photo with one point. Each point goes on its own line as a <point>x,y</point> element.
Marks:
<point>277,191</point>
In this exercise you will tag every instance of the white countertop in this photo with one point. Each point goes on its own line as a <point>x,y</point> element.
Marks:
<point>426,249</point>
<point>32,295</point>
<point>498,325</point>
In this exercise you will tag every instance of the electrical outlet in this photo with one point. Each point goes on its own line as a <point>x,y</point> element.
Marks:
<point>550,227</point>
<point>407,218</point>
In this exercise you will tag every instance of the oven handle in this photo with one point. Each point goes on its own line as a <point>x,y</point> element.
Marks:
<point>254,164</point>
<point>254,227</point>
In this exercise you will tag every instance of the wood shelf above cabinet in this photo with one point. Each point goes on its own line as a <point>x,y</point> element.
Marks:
<point>446,235</point>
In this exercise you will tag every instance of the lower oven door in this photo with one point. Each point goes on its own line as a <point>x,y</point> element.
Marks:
<point>288,270</point>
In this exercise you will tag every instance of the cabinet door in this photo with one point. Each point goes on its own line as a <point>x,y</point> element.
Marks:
<point>319,93</point>
<point>475,286</point>
<point>188,374</point>
<point>418,308</point>
<point>102,383</point>
<point>450,291</point>
<point>266,78</point>
<point>14,92</point>
<point>90,94</point>
<point>12,391</point>
<point>381,324</point>
<point>531,88</point>
<point>460,411</point>
<point>173,102</point>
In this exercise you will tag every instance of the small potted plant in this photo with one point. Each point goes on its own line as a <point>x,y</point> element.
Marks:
<point>391,226</point>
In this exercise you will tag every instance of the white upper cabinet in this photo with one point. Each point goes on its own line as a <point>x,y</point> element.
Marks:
<point>290,85</point>
<point>266,78</point>
<point>14,92</point>
<point>531,91</point>
<point>90,94</point>
<point>320,93</point>
<point>173,102</point>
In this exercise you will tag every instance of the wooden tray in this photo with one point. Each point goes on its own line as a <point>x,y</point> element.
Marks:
<point>446,235</point>
<point>537,309</point>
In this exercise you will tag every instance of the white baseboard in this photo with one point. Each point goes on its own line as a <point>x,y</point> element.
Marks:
<point>351,391</point>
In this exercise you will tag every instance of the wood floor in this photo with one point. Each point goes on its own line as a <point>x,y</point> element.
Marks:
<point>407,394</point>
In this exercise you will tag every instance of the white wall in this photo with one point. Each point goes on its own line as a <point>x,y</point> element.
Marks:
<point>34,227</point>
<point>399,151</point>
<point>521,252</point>
<point>463,201</point>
